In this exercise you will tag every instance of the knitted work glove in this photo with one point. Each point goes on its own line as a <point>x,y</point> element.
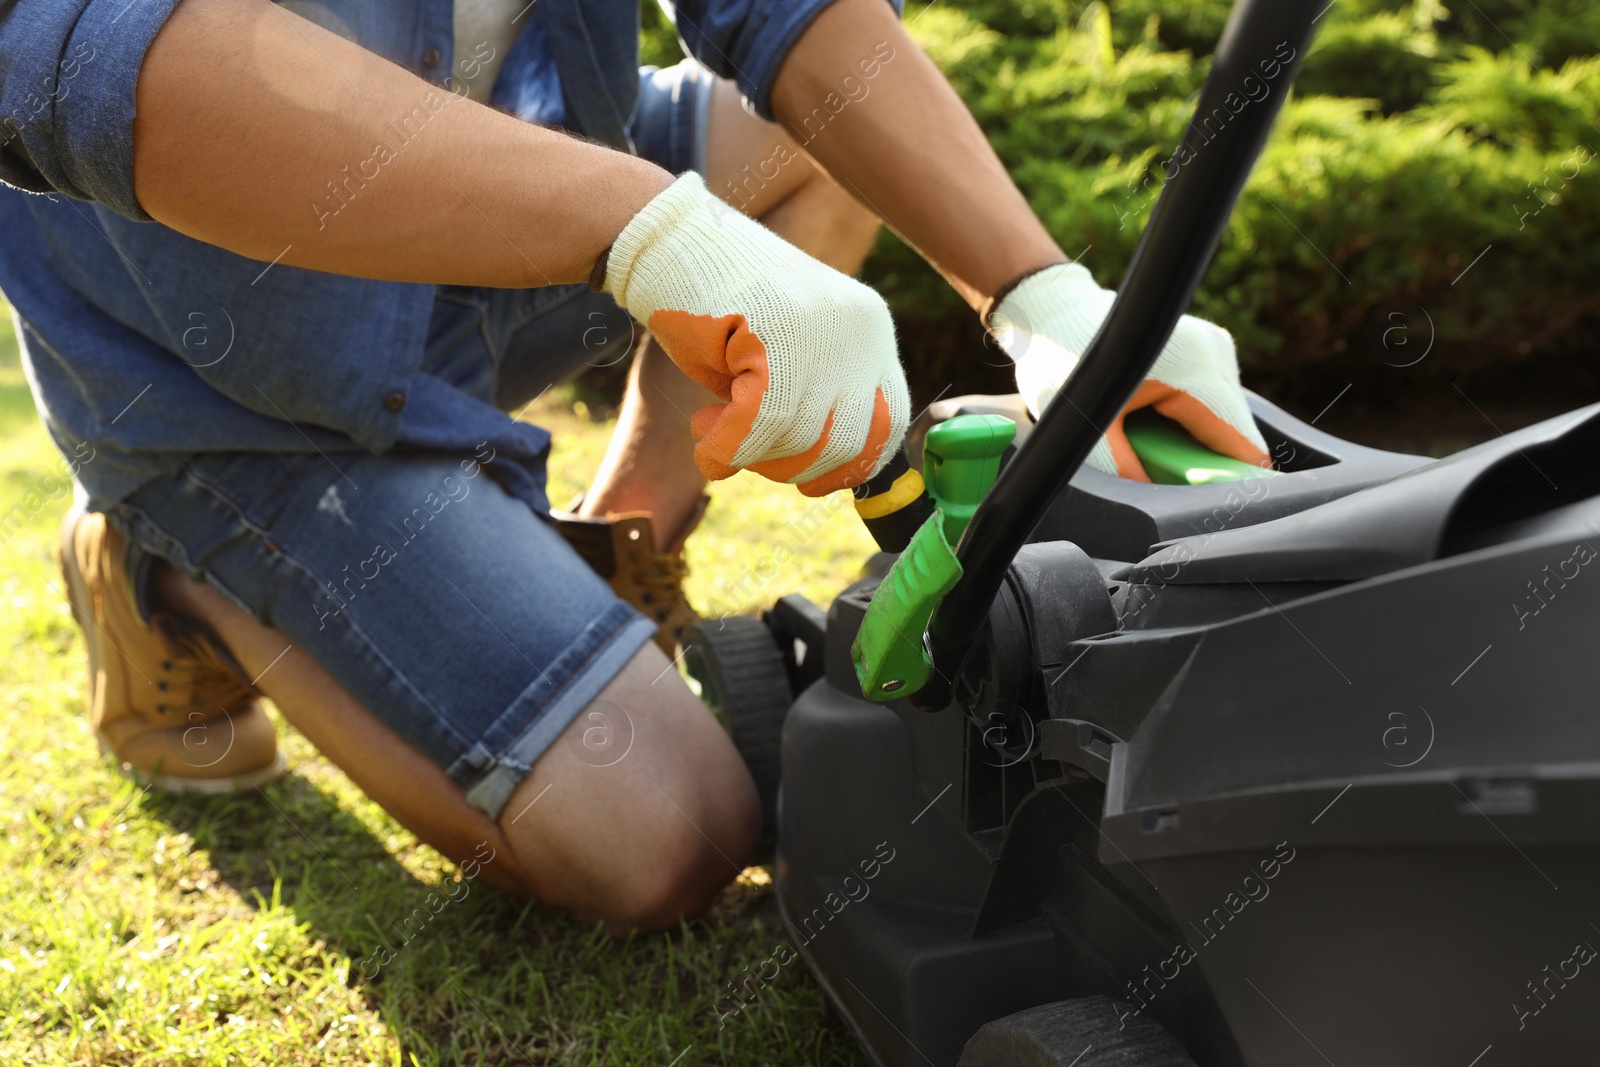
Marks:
<point>1048,319</point>
<point>802,356</point>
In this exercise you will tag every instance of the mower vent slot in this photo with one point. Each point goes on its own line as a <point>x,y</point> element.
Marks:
<point>1289,454</point>
<point>1524,484</point>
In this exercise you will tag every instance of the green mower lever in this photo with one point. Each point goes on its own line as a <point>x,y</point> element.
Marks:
<point>1171,457</point>
<point>961,458</point>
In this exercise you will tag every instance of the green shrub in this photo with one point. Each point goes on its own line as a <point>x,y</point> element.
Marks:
<point>1387,57</point>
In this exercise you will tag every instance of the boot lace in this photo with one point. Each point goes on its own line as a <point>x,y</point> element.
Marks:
<point>662,576</point>
<point>200,673</point>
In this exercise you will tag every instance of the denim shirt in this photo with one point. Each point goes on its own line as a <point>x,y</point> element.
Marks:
<point>147,346</point>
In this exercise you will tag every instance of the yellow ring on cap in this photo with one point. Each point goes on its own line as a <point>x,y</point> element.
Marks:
<point>903,491</point>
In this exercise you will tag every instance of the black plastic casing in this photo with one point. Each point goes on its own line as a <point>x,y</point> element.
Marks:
<point>1335,761</point>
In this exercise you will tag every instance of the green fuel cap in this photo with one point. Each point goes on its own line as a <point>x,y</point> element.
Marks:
<point>960,460</point>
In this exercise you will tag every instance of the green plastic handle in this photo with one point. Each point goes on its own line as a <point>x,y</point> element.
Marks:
<point>890,656</point>
<point>960,460</point>
<point>1171,457</point>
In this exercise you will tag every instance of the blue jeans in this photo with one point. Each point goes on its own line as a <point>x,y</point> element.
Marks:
<point>443,604</point>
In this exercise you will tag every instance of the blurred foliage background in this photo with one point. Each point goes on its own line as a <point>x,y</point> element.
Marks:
<point>1417,136</point>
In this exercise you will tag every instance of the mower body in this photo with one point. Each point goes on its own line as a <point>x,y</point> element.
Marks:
<point>1303,769</point>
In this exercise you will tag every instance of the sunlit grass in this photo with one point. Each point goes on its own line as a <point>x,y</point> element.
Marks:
<point>140,929</point>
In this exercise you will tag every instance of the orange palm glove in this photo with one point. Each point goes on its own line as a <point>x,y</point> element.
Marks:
<point>802,356</point>
<point>1049,318</point>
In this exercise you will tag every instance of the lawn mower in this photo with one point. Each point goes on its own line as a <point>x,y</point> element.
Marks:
<point>1279,767</point>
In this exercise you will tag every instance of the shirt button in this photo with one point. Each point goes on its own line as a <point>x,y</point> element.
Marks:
<point>430,58</point>
<point>394,401</point>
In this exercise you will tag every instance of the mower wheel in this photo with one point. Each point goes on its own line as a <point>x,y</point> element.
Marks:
<point>1082,1033</point>
<point>744,681</point>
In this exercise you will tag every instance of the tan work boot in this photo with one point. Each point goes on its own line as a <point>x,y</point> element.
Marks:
<point>166,700</point>
<point>621,549</point>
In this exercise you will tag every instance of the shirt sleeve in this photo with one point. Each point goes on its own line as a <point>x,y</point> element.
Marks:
<point>68,73</point>
<point>747,40</point>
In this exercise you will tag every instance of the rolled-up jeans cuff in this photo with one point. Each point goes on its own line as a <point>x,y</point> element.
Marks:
<point>671,121</point>
<point>488,778</point>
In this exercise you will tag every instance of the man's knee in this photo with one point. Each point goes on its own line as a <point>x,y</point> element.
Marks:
<point>676,878</point>
<point>823,220</point>
<point>666,865</point>
<point>640,839</point>
<point>700,826</point>
<point>823,195</point>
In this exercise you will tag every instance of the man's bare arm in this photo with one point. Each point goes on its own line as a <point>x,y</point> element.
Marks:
<point>909,149</point>
<point>258,130</point>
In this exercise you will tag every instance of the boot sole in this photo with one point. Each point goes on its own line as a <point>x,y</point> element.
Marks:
<point>213,787</point>
<point>83,609</point>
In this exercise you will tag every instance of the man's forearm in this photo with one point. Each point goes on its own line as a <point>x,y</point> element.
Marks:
<point>259,131</point>
<point>910,150</point>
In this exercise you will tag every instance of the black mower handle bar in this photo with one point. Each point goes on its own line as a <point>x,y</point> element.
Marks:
<point>1262,45</point>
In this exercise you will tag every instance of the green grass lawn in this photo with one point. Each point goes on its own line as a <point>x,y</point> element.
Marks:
<point>144,929</point>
